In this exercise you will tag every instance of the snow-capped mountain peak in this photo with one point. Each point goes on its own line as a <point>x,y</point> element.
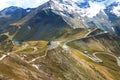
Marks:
<point>89,8</point>
<point>84,8</point>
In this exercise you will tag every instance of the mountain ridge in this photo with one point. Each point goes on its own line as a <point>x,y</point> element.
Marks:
<point>71,15</point>
<point>60,40</point>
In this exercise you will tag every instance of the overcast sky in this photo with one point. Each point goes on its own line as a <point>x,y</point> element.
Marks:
<point>21,3</point>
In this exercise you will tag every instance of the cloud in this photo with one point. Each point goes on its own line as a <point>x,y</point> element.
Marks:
<point>21,3</point>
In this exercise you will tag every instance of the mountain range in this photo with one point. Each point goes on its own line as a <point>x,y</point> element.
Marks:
<point>92,14</point>
<point>61,40</point>
<point>103,14</point>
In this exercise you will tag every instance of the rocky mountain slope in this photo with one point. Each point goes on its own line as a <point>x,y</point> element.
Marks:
<point>61,40</point>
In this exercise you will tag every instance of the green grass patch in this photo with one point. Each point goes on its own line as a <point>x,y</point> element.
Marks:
<point>28,50</point>
<point>42,53</point>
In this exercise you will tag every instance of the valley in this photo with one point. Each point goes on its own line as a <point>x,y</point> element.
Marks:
<point>61,40</point>
<point>36,53</point>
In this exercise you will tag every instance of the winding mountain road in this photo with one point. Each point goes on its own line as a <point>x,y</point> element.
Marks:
<point>66,42</point>
<point>93,57</point>
<point>5,55</point>
<point>117,59</point>
<point>55,44</point>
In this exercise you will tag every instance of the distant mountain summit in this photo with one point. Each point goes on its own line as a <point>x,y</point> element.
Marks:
<point>10,15</point>
<point>13,9</point>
